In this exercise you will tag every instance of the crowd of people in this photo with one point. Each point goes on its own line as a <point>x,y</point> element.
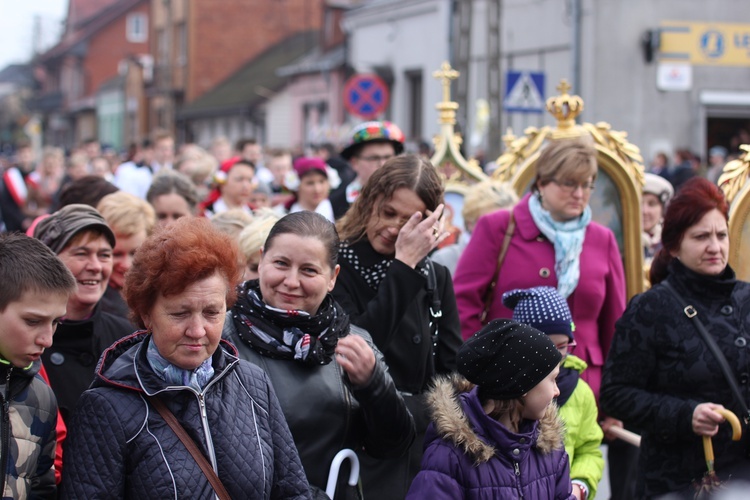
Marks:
<point>231,322</point>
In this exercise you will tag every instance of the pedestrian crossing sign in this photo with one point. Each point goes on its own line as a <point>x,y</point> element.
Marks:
<point>524,92</point>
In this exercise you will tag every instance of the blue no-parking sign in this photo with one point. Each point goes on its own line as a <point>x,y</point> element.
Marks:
<point>524,92</point>
<point>366,95</point>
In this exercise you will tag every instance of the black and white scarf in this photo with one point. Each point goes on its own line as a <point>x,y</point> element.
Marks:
<point>288,334</point>
<point>371,265</point>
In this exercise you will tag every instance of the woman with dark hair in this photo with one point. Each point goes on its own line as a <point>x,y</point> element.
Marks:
<point>333,386</point>
<point>661,377</point>
<point>121,444</point>
<point>393,290</point>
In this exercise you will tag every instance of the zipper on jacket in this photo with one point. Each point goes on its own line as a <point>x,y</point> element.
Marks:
<point>5,433</point>
<point>207,431</point>
<point>518,479</point>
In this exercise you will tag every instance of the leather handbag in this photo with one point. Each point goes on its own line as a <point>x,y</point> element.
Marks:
<point>208,471</point>
<point>490,293</point>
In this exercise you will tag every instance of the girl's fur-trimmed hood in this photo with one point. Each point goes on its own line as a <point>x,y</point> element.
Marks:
<point>452,424</point>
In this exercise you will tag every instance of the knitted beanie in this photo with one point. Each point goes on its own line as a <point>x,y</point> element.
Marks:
<point>541,307</point>
<point>507,359</point>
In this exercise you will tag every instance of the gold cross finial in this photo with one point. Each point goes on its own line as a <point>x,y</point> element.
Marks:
<point>446,74</point>
<point>564,87</point>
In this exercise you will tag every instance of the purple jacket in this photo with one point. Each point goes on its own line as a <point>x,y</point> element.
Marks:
<point>469,455</point>
<point>597,302</point>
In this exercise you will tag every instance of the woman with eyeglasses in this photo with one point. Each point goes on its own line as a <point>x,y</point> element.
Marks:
<point>554,243</point>
<point>544,309</point>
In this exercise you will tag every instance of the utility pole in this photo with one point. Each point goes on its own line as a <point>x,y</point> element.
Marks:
<point>494,80</point>
<point>168,84</point>
<point>463,59</point>
<point>36,37</point>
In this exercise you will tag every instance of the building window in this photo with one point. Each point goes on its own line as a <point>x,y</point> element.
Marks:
<point>414,82</point>
<point>137,27</point>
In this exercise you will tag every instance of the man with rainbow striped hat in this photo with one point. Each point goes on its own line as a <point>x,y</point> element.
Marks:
<point>372,144</point>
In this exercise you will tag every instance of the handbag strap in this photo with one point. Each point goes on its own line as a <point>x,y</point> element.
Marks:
<point>489,295</point>
<point>692,313</point>
<point>200,459</point>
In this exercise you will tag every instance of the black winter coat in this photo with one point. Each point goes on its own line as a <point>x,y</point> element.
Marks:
<point>76,347</point>
<point>120,447</point>
<point>326,414</point>
<point>398,317</point>
<point>659,369</point>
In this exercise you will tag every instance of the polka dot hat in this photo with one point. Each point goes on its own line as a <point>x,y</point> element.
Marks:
<point>507,359</point>
<point>541,307</point>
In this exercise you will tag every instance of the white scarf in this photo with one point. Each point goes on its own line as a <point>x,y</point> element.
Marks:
<point>567,238</point>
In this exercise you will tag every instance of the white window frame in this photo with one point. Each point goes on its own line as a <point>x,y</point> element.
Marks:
<point>134,21</point>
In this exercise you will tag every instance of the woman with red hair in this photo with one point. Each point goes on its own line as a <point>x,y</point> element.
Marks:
<point>661,377</point>
<point>122,443</point>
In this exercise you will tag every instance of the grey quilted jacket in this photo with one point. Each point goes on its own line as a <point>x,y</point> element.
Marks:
<point>120,447</point>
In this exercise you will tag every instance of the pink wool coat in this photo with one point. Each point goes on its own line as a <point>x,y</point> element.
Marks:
<point>597,302</point>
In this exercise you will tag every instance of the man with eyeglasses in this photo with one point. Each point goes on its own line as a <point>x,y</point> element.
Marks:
<point>372,144</point>
<point>543,308</point>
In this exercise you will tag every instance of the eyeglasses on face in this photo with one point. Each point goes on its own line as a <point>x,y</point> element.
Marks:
<point>375,158</point>
<point>566,347</point>
<point>570,186</point>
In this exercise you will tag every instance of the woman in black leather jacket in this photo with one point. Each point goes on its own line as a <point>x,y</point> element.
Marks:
<point>332,384</point>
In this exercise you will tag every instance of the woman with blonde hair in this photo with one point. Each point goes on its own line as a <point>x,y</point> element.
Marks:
<point>552,242</point>
<point>132,220</point>
<point>252,237</point>
<point>482,198</point>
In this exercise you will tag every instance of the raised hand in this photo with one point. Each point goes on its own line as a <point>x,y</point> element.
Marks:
<point>419,237</point>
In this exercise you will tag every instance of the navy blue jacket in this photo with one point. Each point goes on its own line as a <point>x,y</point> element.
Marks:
<point>120,447</point>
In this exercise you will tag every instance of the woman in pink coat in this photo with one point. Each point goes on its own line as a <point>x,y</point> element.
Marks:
<point>554,243</point>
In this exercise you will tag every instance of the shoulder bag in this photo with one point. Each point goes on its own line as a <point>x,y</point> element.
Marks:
<point>692,313</point>
<point>490,293</point>
<point>208,471</point>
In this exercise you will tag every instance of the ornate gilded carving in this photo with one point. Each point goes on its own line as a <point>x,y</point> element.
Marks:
<point>450,163</point>
<point>620,166</point>
<point>566,108</point>
<point>735,174</point>
<point>617,142</point>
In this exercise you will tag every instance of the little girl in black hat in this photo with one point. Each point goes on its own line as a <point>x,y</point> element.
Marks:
<point>543,308</point>
<point>495,432</point>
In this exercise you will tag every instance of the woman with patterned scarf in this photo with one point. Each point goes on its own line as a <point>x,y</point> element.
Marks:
<point>334,389</point>
<point>393,290</point>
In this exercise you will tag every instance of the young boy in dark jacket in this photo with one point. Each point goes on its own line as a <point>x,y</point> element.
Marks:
<point>33,297</point>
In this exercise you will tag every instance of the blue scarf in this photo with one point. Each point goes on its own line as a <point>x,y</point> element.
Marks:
<point>173,375</point>
<point>567,237</point>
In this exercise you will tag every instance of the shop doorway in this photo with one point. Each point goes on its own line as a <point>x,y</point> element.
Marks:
<point>727,132</point>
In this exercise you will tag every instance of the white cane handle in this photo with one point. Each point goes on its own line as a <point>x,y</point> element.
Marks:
<point>333,474</point>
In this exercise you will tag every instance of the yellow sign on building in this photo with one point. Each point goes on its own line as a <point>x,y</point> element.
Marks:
<point>714,44</point>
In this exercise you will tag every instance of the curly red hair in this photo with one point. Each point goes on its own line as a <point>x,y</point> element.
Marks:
<point>173,258</point>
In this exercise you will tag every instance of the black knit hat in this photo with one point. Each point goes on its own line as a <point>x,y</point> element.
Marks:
<point>507,359</point>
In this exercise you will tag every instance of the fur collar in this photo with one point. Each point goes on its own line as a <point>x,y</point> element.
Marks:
<point>452,424</point>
